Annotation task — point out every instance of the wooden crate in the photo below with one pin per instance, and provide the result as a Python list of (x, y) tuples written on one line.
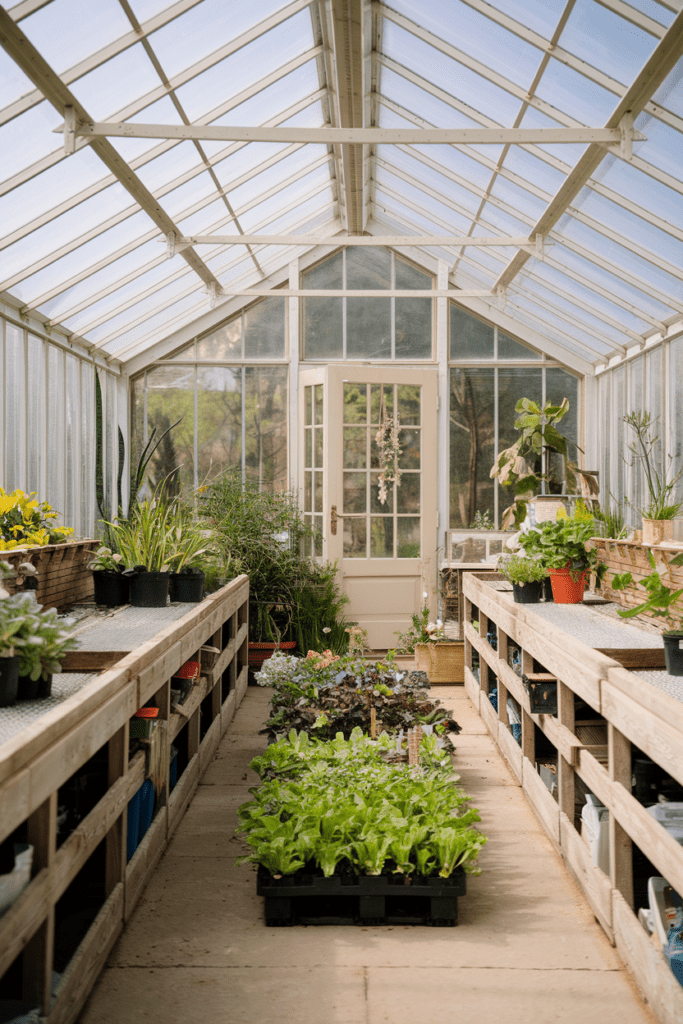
[(63, 574)]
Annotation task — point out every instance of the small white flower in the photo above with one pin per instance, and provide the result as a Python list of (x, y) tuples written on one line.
[(439, 624), (327, 629), (425, 594)]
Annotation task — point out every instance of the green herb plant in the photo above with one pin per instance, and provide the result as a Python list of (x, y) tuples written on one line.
[(562, 543), (662, 600), (521, 570), (336, 807), (39, 638)]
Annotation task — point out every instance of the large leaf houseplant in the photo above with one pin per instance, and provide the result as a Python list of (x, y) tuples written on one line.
[(564, 548)]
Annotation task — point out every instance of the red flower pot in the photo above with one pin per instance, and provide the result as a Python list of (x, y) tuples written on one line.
[(258, 652), (568, 585)]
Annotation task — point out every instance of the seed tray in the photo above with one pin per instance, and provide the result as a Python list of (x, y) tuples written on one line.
[(305, 899)]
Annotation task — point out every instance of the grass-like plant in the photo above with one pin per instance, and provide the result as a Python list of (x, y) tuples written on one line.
[(521, 570), (660, 491)]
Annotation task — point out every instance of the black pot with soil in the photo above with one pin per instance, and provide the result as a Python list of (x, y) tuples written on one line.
[(34, 689), (111, 588), (673, 653), (186, 587), (527, 593), (9, 681)]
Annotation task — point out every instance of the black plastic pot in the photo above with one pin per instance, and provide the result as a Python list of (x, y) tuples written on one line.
[(149, 589), (111, 588), (9, 681), (187, 588), (527, 593), (547, 590), (673, 654), (34, 689)]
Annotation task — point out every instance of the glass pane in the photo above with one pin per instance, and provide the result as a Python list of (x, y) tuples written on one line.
[(308, 449), (382, 537), (470, 338), (375, 401), (355, 403), (413, 318), (355, 541), (318, 399), (408, 537), (375, 504), (73, 423), (410, 449), (318, 448), (223, 343), (558, 385), (35, 412), (308, 492), (408, 276), (368, 268), (355, 444), (355, 496), (508, 348), (368, 327), (219, 420), (326, 275), (317, 492), (318, 542), (308, 402), (513, 384), (408, 494), (409, 404), (15, 389), (170, 396), (323, 328), (472, 444), (266, 425), (264, 330), (55, 429)]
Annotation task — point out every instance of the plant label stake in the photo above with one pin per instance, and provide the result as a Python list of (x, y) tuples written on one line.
[(373, 724)]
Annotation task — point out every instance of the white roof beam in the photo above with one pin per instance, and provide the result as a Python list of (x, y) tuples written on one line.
[(656, 68), (354, 240), (147, 27), (345, 36), (41, 74), (26, 7), (637, 18), (355, 136)]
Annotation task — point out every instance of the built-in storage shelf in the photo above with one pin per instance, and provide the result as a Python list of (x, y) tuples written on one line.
[(69, 770), (607, 717)]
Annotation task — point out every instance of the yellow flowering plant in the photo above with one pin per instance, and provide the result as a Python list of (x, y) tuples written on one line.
[(26, 522)]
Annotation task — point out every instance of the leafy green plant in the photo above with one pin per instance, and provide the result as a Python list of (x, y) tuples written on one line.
[(562, 542), (522, 570), (612, 519), (336, 807), (40, 638), (106, 560), (527, 462), (422, 631), (482, 521), (339, 697), (660, 491), (662, 600)]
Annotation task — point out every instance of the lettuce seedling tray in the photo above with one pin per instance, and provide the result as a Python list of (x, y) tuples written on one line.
[(306, 899)]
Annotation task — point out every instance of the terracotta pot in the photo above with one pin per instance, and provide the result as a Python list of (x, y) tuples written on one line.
[(443, 663), (656, 531), (568, 586), (258, 652)]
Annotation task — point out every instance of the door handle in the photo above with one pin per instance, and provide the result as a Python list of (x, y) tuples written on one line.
[(334, 516)]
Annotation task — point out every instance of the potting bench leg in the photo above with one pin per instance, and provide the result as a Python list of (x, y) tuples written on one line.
[(444, 908), (371, 907)]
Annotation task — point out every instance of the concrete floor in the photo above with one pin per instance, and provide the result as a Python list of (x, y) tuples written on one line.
[(527, 949)]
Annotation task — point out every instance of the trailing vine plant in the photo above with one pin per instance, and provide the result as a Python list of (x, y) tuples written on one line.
[(389, 450)]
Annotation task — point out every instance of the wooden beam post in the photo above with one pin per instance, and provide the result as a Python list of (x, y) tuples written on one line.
[(620, 846)]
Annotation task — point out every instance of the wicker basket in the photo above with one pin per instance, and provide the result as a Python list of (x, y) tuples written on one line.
[(443, 663)]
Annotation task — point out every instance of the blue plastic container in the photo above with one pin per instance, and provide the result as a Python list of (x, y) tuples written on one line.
[(146, 806), (133, 837)]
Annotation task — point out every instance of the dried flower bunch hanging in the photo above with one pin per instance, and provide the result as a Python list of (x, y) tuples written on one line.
[(389, 450)]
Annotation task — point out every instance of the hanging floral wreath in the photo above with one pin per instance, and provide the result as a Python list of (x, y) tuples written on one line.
[(389, 449)]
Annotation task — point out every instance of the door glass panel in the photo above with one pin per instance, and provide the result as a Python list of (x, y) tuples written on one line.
[(313, 463), (392, 527), (308, 450), (318, 447), (355, 544), (382, 537), (318, 492), (318, 404)]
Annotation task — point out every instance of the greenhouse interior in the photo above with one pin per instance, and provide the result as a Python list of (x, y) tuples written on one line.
[(341, 511)]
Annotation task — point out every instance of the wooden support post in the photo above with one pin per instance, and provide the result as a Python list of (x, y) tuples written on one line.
[(620, 846), (527, 663), (502, 702), (502, 645), (565, 772), (193, 734), (117, 750), (39, 952), (528, 738)]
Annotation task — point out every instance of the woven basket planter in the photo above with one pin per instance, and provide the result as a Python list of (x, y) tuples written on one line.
[(443, 663), (63, 574)]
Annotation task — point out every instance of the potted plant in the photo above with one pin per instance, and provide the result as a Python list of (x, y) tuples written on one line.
[(147, 549), (10, 624), (527, 576), (563, 548), (188, 545), (40, 640), (664, 602), (659, 510), (111, 586), (25, 522), (441, 657), (539, 455)]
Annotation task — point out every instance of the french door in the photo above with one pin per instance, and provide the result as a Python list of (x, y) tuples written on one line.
[(385, 549)]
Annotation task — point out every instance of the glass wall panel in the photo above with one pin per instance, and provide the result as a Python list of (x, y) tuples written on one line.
[(508, 348), (265, 423), (219, 420), (472, 443), (470, 338), (676, 405), (55, 427), (558, 385), (368, 325), (15, 446), (368, 267), (73, 424), (223, 343), (513, 383), (170, 397), (35, 413), (264, 330)]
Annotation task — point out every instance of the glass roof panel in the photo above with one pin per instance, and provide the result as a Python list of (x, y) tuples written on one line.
[(269, 210), (193, 191), (263, 181), (643, 234), (459, 162), (65, 31), (534, 170), (162, 296), (47, 190), (504, 223), (163, 111), (531, 288), (144, 9), (640, 188), (670, 92), (458, 223), (451, 76), (27, 138), (13, 82), (113, 304), (170, 166), (247, 158), (62, 230), (245, 67), (405, 161), (540, 15), (398, 89), (551, 327), (476, 35), (171, 318), (114, 85), (654, 10), (568, 153), (574, 94), (518, 198), (213, 215), (271, 101), (555, 319), (663, 147), (606, 41), (194, 35)]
